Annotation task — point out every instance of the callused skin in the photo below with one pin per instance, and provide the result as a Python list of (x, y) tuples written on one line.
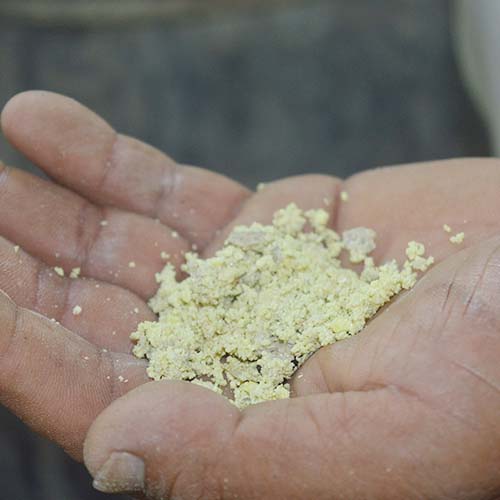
[(408, 409)]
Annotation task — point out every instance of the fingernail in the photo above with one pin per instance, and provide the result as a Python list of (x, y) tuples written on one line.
[(121, 473)]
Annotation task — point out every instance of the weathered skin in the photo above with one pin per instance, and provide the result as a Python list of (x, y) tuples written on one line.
[(407, 409)]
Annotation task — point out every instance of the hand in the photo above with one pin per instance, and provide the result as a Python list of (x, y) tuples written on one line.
[(408, 409)]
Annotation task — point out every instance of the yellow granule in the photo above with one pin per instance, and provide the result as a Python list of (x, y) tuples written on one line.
[(243, 321), (75, 272), (77, 310), (457, 238), (59, 271), (344, 196)]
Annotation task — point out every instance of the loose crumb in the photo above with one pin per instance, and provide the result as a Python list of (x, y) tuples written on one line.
[(104, 223), (75, 272), (344, 196), (174, 234), (120, 378), (261, 186), (165, 256), (131, 264), (16, 248), (59, 271), (77, 310), (136, 310), (457, 238), (446, 228), (245, 320)]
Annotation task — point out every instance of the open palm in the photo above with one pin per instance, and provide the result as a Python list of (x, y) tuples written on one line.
[(409, 408)]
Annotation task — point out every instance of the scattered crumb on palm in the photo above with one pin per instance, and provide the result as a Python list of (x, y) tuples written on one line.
[(457, 238), (77, 310), (75, 272), (59, 271), (344, 196), (447, 228), (131, 264)]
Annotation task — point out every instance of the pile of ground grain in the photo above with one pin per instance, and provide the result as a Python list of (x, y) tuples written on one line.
[(244, 320)]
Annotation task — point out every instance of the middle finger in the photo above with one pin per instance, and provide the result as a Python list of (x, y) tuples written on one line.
[(63, 229)]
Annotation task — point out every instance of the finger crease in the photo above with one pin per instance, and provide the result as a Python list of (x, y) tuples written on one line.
[(168, 185), (12, 332), (88, 233), (109, 161), (235, 213)]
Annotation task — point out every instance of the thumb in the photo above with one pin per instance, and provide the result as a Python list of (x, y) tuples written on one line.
[(158, 438), (176, 440)]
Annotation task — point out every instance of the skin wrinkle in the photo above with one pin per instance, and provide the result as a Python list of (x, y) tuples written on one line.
[(88, 233), (282, 440), (64, 308), (336, 205), (4, 173), (480, 279), (13, 331), (476, 374), (170, 181), (323, 371), (110, 162), (39, 271), (236, 211)]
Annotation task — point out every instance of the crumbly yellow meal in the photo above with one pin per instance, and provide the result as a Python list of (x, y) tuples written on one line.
[(77, 310), (59, 271), (75, 273), (243, 321), (457, 238), (344, 196)]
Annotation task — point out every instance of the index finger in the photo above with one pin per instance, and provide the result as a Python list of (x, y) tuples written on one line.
[(81, 151)]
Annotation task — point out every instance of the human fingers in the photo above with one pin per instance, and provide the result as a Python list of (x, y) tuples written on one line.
[(175, 440), (103, 314), (80, 150), (440, 342), (63, 229), (414, 202), (56, 381)]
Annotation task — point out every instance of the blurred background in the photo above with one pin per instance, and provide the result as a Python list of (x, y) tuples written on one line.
[(254, 89)]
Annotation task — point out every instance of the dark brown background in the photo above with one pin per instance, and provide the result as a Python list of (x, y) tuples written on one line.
[(255, 92)]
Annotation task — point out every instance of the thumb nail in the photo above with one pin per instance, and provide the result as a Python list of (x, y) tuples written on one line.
[(121, 473)]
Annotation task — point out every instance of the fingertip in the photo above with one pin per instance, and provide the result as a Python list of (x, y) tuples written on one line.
[(159, 422), (21, 103)]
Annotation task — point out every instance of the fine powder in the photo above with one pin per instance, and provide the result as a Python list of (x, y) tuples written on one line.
[(243, 321)]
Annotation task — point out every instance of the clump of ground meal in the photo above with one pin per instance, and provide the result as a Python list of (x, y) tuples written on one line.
[(243, 321)]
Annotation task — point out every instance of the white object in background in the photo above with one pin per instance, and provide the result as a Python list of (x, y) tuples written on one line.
[(477, 30)]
